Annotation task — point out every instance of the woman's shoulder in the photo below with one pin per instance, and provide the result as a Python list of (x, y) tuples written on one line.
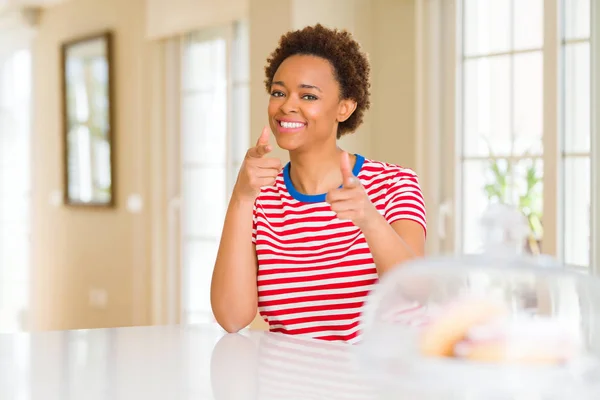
[(382, 168)]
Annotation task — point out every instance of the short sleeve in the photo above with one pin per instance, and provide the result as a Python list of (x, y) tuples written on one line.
[(404, 199)]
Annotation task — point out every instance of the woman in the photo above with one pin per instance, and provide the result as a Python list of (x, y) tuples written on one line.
[(305, 243)]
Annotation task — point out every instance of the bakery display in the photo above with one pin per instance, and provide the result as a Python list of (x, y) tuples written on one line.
[(500, 322)]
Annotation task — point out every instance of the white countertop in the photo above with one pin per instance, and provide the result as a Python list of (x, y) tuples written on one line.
[(174, 362), (197, 362)]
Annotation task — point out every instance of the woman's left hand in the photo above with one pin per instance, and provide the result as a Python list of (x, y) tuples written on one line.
[(350, 202)]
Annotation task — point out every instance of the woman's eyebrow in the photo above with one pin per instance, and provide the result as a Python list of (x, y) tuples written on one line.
[(306, 86), (302, 85)]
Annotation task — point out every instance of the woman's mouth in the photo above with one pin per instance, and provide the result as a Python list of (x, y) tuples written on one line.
[(290, 126)]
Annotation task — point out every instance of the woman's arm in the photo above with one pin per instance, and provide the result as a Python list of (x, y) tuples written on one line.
[(233, 293), (394, 237), (399, 234), (393, 244)]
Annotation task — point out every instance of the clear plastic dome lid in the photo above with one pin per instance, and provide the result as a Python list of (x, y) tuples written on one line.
[(497, 323)]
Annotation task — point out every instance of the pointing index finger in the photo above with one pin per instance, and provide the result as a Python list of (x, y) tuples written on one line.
[(264, 137), (347, 175), (262, 145)]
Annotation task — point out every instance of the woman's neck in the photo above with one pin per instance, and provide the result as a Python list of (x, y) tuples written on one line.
[(317, 172)]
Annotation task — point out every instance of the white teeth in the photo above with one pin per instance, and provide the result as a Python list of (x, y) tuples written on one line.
[(291, 125)]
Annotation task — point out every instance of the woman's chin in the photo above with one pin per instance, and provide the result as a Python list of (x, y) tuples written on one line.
[(285, 143)]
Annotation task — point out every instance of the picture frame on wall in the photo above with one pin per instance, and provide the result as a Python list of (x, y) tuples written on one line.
[(88, 121)]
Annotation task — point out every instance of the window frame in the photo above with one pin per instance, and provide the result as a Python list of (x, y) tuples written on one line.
[(439, 107), (174, 290), (564, 154), (217, 32), (595, 137)]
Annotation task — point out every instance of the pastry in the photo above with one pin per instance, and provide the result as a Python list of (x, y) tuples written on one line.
[(523, 341), (451, 326)]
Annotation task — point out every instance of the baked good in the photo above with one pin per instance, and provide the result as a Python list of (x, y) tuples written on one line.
[(519, 340), (451, 326)]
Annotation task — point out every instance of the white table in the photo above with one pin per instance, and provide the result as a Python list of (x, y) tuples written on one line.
[(198, 362), (174, 362)]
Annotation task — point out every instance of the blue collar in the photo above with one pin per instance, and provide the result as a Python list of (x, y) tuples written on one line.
[(314, 198)]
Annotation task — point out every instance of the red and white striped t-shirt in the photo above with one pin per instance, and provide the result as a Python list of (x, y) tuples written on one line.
[(314, 270)]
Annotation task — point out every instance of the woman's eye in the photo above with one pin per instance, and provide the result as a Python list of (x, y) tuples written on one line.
[(276, 94), (309, 97)]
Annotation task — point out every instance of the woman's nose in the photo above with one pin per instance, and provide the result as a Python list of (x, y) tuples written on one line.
[(290, 105)]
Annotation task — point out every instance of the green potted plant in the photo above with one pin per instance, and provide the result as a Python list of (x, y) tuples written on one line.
[(521, 188)]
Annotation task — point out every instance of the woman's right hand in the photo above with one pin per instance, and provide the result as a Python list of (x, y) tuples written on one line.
[(257, 170)]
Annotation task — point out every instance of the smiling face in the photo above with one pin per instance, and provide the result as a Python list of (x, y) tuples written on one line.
[(305, 105)]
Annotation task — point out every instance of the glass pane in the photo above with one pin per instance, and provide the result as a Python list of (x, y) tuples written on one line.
[(528, 24), (240, 129), (487, 106), (528, 195), (204, 64), (199, 259), (577, 16), (497, 181), (14, 205), (487, 26), (479, 190), (234, 170), (241, 53), (528, 92), (204, 130), (204, 200), (577, 214), (577, 89)]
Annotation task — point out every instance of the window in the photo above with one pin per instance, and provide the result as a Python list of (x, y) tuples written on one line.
[(15, 81), (214, 138), (576, 131), (524, 121), (502, 113)]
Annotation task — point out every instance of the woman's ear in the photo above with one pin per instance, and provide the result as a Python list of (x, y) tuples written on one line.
[(345, 110)]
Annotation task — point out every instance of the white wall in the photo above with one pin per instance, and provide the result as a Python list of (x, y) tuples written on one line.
[(171, 17)]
